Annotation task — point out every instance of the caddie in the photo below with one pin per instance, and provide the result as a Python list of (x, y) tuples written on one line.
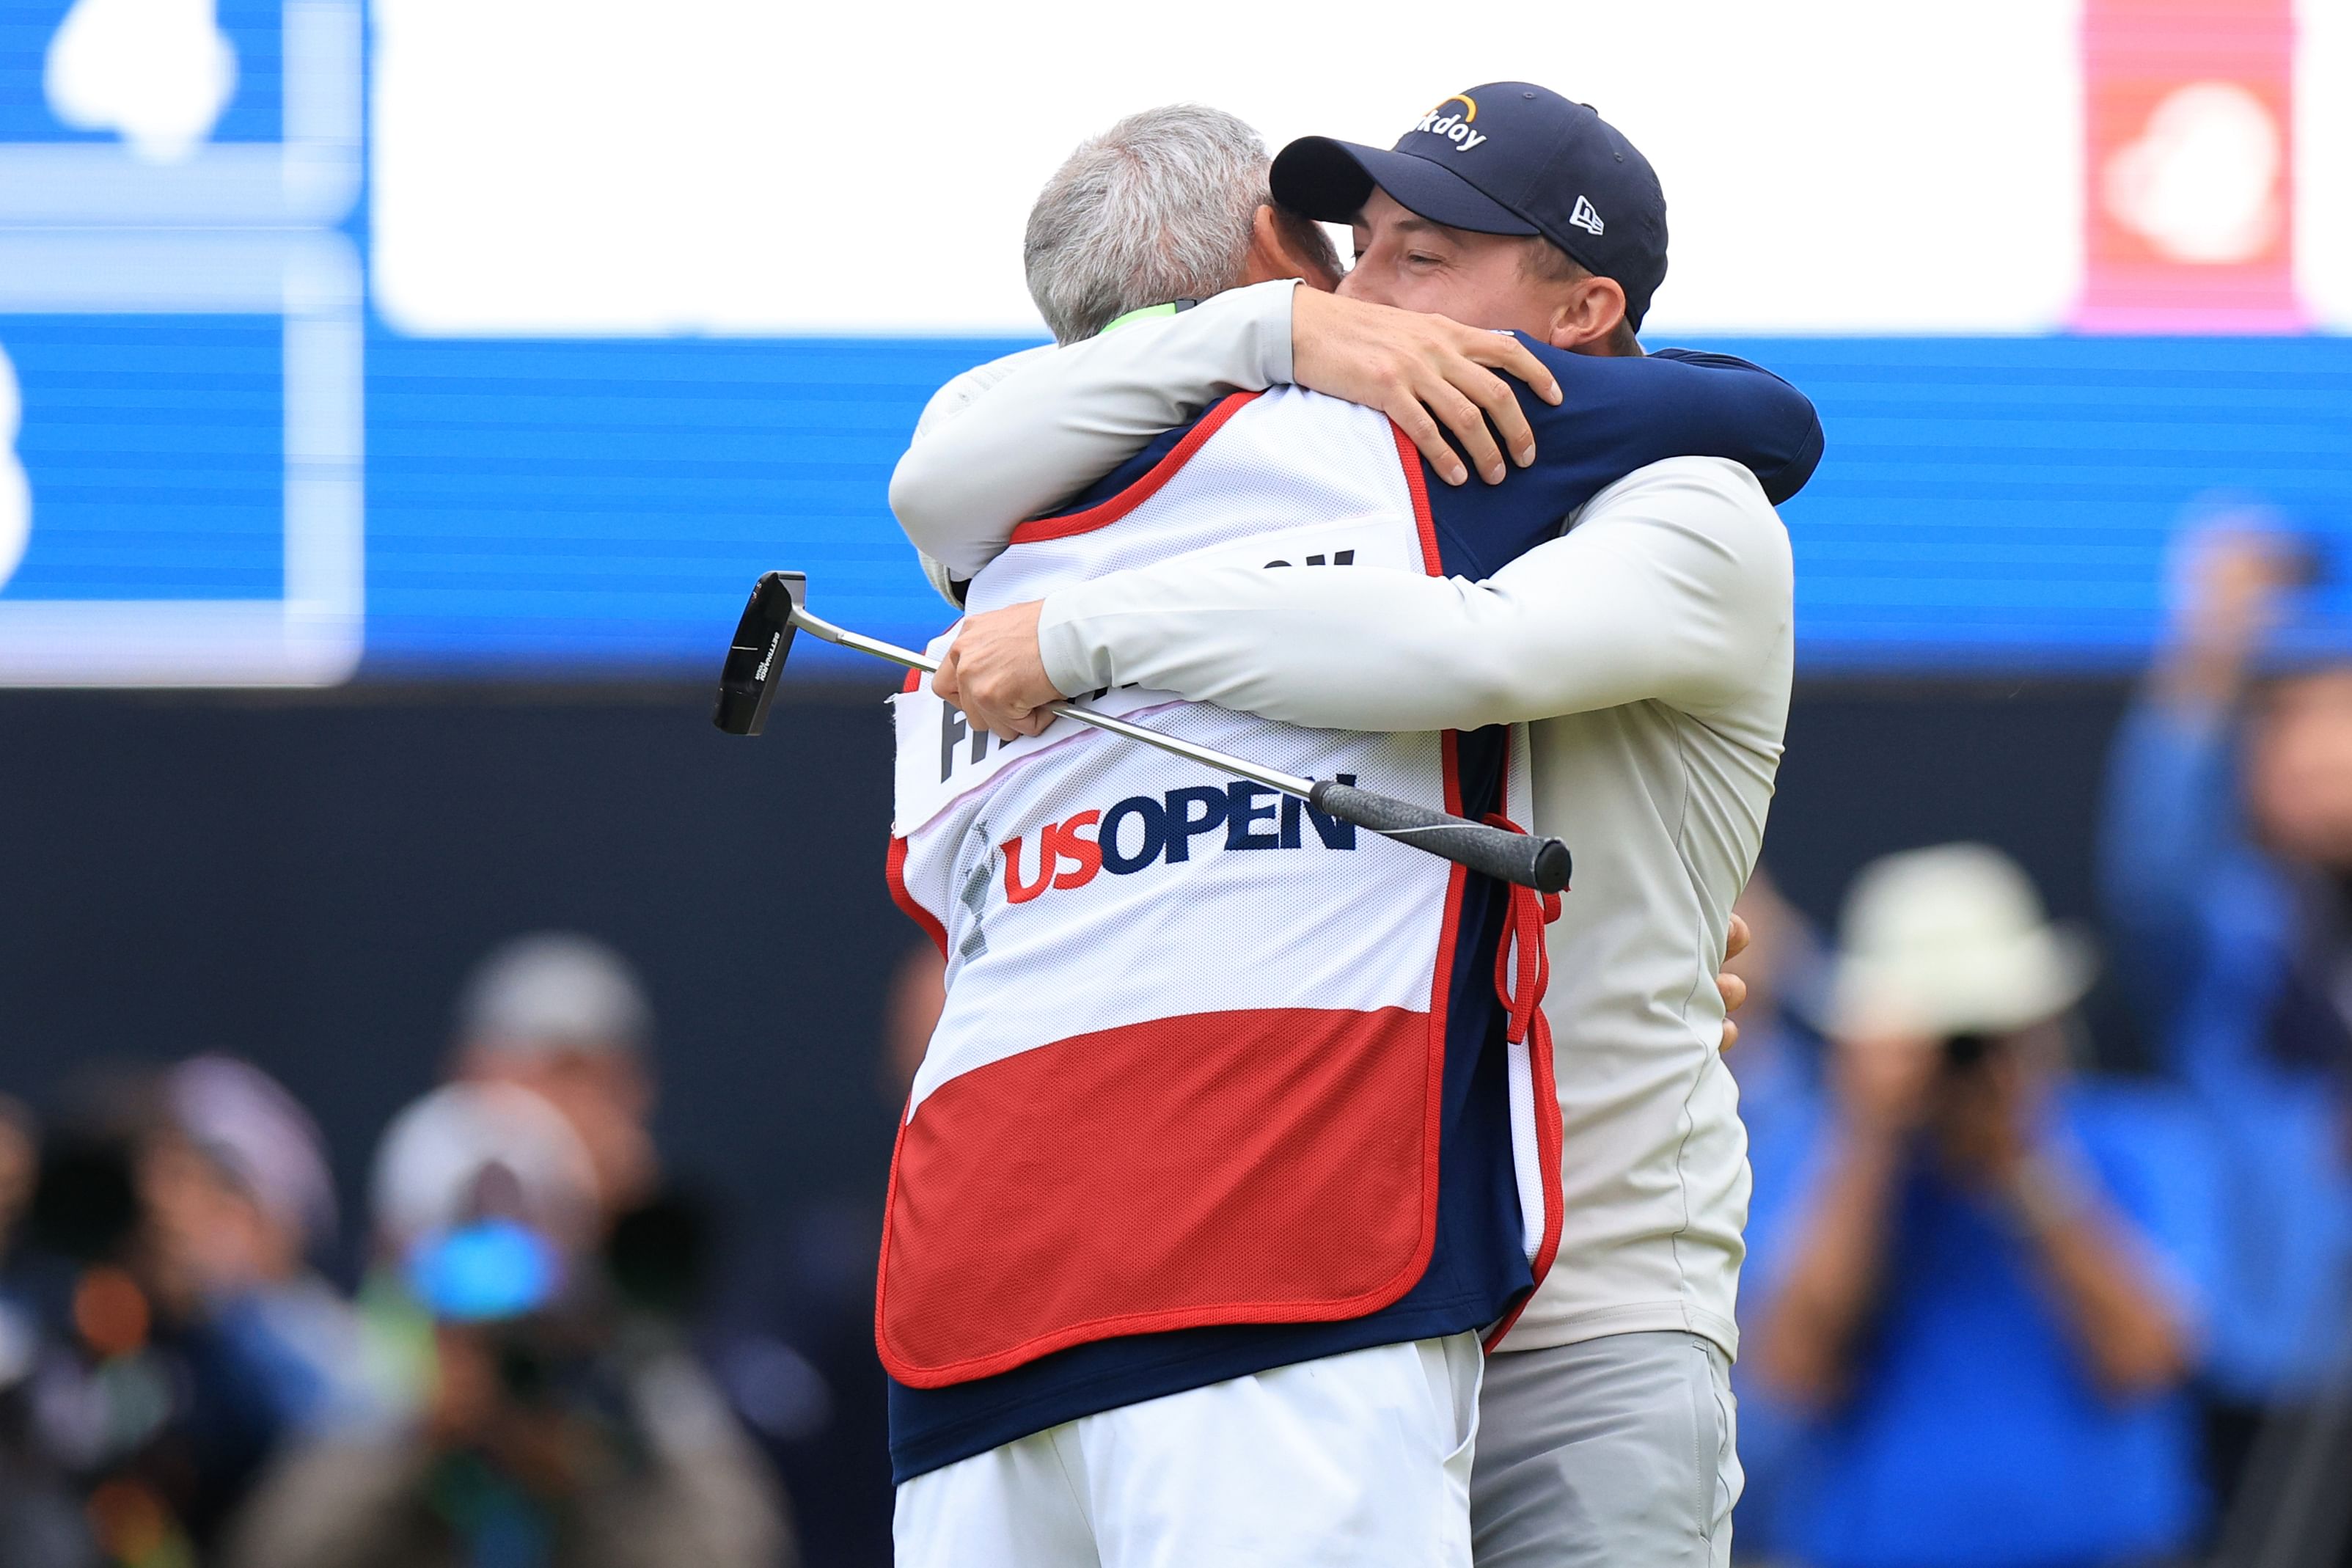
[(1237, 1132)]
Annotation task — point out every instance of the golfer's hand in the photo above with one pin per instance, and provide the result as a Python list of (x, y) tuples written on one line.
[(995, 674), (1733, 989), (1428, 373)]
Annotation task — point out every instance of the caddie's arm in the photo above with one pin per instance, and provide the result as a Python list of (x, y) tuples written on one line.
[(1675, 585), (988, 456)]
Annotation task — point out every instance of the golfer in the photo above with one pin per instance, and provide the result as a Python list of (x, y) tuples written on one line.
[(1651, 646)]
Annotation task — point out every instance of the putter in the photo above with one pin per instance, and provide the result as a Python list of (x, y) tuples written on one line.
[(779, 607)]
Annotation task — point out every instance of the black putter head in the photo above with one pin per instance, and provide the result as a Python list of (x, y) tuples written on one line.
[(747, 685)]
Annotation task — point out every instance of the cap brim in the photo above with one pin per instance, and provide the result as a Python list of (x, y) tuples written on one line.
[(1330, 181)]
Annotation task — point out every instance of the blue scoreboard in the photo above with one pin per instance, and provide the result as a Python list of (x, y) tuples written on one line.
[(222, 461)]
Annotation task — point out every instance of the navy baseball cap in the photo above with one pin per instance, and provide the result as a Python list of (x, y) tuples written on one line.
[(1509, 157)]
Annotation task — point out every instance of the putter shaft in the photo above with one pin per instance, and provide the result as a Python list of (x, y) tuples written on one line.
[(747, 685), (1290, 784)]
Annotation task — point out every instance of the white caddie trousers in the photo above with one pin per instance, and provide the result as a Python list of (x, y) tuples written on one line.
[(1359, 1460)]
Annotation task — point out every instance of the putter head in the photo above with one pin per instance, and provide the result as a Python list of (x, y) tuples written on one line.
[(747, 684)]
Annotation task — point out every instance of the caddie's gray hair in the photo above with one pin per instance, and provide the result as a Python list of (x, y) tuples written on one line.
[(1157, 207)]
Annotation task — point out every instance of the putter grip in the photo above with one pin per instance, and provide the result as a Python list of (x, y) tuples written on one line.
[(1521, 857)]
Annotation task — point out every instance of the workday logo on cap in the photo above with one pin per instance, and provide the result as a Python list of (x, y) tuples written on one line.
[(1454, 127), (1546, 165)]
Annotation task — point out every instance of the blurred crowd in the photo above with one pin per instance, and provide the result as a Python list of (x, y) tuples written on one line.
[(2004, 1305), (524, 1354)]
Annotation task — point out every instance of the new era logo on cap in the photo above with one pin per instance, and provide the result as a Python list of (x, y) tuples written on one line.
[(1585, 217)]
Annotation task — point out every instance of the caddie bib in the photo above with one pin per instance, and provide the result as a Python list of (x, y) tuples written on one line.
[(1190, 1067)]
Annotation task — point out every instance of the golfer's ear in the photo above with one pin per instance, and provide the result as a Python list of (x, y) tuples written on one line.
[(1590, 314)]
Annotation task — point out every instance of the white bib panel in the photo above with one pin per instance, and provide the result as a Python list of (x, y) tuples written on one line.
[(1190, 1067)]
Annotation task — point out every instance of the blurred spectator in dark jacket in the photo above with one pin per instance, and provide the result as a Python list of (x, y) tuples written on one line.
[(20, 1155), (238, 1187), (557, 1424), (2228, 871), (565, 1016), (795, 1345), (1985, 1282), (40, 1516), (179, 1333)]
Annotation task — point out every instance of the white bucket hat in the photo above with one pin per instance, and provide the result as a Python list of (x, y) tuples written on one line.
[(1951, 940)]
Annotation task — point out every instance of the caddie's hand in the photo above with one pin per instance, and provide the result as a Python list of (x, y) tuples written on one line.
[(1428, 373), (995, 672), (1733, 989)]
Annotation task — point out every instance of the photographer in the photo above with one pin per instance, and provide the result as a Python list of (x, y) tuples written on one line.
[(1983, 1287), (559, 1424), (162, 1333), (566, 1017)]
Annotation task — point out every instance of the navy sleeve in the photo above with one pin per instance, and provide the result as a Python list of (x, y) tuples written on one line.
[(1617, 415), (1773, 422)]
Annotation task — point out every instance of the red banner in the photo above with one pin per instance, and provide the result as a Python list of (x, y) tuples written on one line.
[(2189, 214)]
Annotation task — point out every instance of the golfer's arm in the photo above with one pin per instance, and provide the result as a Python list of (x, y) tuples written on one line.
[(948, 402), (1676, 588), (1060, 423)]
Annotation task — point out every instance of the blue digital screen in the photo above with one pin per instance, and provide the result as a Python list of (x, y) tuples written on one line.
[(603, 508), (609, 505), (210, 438), (1984, 502), (154, 448), (2010, 502)]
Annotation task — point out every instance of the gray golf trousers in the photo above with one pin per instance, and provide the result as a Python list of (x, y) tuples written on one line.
[(1619, 1451)]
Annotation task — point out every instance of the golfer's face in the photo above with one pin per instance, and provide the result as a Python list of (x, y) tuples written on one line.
[(1479, 279)]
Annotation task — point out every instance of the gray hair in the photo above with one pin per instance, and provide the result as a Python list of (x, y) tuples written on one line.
[(553, 992), (1158, 207)]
